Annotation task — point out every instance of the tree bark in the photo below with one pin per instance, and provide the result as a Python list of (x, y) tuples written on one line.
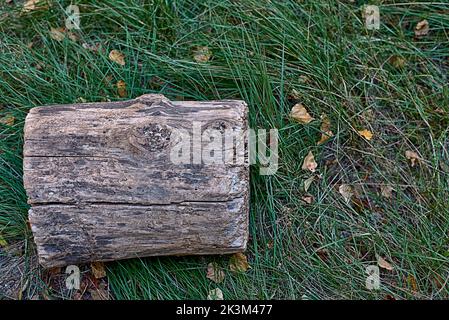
[(102, 186)]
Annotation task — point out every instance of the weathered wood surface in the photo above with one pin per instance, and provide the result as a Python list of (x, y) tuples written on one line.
[(102, 187)]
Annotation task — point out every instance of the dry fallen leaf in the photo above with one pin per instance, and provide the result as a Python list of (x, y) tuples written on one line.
[(398, 62), (300, 114), (215, 294), (8, 120), (413, 157), (121, 88), (54, 271), (308, 183), (214, 273), (98, 270), (422, 28), (438, 281), (100, 293), (366, 134), (117, 57), (386, 191), (91, 46), (202, 54), (326, 131), (32, 5), (309, 162), (238, 262), (346, 191), (384, 264), (308, 199), (57, 34), (72, 36), (411, 280)]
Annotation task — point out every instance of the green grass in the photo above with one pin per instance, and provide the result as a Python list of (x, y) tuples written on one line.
[(261, 51)]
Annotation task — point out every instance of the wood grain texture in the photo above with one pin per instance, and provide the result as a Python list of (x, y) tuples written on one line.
[(102, 187)]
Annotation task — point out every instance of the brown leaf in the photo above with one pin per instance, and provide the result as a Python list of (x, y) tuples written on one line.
[(32, 5), (439, 281), (98, 270), (413, 157), (308, 182), (57, 34), (300, 114), (121, 88), (215, 273), (323, 254), (72, 36), (100, 293), (202, 54), (411, 280), (215, 294), (238, 262), (366, 134), (346, 191), (54, 271), (398, 62), (386, 191), (309, 162), (117, 57), (91, 46), (8, 120), (325, 129), (422, 28), (384, 264), (307, 199)]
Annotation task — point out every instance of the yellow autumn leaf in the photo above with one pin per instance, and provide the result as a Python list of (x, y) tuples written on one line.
[(422, 28), (366, 134), (98, 270), (238, 262), (117, 57), (309, 162), (202, 54), (413, 157), (384, 264), (121, 88), (214, 273), (215, 294), (325, 129), (300, 114)]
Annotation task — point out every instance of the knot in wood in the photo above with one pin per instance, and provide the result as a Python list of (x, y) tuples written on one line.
[(150, 137), (219, 125)]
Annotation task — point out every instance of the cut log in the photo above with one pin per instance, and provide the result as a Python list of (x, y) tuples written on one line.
[(102, 183)]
